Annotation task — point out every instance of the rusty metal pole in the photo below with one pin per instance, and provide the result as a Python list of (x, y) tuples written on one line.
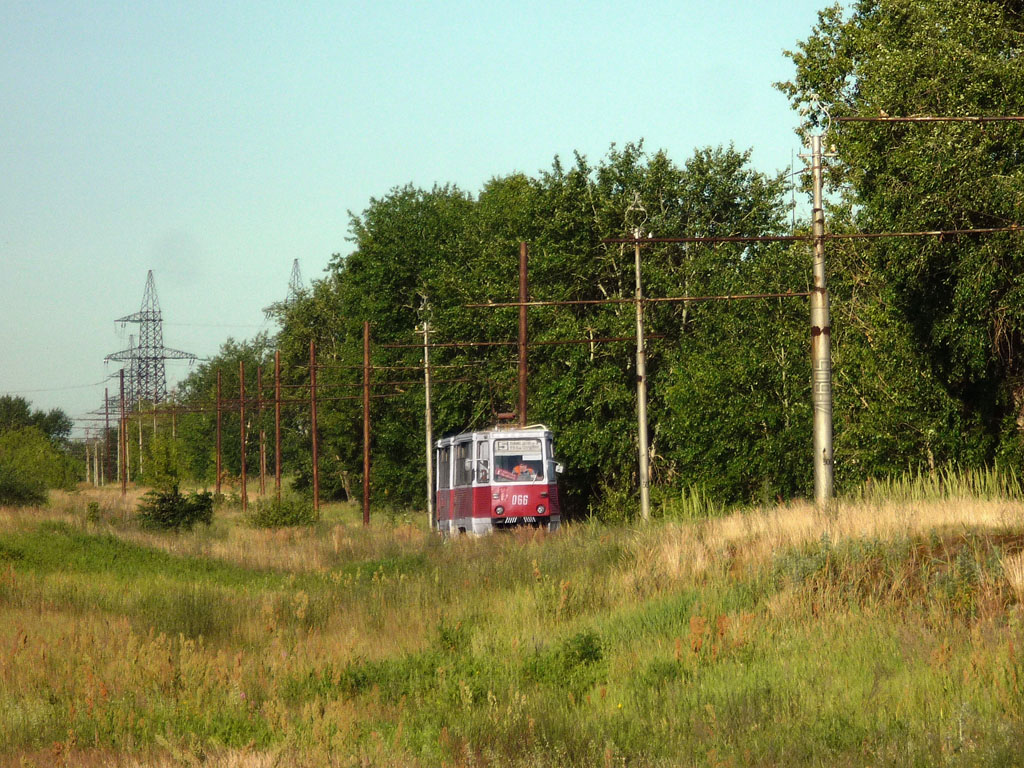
[(217, 440), (366, 423), (241, 430), (263, 432), (524, 294), (821, 346), (312, 418), (122, 444), (641, 390), (106, 434), (429, 424), (277, 424)]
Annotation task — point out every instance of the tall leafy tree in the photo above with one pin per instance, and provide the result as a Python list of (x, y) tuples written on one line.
[(423, 254), (17, 413), (928, 350)]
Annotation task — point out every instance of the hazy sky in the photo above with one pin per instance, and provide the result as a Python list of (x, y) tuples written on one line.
[(216, 142)]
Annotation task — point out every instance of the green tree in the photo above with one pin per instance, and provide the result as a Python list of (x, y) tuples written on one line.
[(445, 246), (929, 331), (17, 413), (30, 464)]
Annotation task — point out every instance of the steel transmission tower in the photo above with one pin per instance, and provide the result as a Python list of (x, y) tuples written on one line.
[(296, 290), (295, 287), (147, 378)]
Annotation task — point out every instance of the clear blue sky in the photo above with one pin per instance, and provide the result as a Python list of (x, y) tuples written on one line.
[(216, 142)]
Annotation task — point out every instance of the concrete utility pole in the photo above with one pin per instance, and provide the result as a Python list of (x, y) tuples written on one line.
[(429, 421), (313, 426), (366, 422), (821, 345), (641, 388)]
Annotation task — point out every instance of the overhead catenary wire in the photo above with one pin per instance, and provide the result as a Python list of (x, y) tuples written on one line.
[(655, 300), (931, 119), (1012, 228)]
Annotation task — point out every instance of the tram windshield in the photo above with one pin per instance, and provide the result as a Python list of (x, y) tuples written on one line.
[(518, 460)]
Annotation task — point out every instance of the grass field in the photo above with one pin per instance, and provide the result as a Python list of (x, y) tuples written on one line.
[(883, 632)]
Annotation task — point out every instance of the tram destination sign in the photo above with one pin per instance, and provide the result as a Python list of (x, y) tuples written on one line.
[(528, 449)]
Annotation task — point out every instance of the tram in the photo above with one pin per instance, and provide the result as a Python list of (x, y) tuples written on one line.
[(497, 478)]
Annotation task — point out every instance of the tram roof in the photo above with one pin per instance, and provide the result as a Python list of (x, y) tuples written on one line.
[(531, 430)]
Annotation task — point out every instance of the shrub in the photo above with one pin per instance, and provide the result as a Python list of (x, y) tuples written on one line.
[(271, 513), (17, 490), (172, 510), (92, 512)]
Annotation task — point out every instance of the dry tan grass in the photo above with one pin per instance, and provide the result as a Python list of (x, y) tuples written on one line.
[(688, 549), (1013, 568)]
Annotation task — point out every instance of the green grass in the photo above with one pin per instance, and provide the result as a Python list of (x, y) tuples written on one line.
[(522, 649)]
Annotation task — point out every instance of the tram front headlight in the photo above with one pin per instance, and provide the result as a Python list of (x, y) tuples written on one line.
[(499, 510), (540, 509)]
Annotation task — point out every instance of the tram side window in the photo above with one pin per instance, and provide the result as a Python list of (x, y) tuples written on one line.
[(483, 464), (463, 464), (444, 475)]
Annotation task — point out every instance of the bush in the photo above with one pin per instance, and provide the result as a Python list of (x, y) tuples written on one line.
[(271, 513), (171, 510), (16, 490), (92, 512)]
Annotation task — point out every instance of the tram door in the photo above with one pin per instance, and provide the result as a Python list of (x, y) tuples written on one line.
[(444, 484)]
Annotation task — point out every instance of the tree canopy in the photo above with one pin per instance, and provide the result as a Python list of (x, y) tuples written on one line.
[(927, 332), (929, 348)]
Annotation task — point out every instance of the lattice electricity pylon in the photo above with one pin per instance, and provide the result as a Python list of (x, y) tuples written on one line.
[(147, 377), (295, 287), (296, 290)]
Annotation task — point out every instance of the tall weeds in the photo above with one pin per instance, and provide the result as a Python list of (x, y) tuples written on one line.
[(879, 632)]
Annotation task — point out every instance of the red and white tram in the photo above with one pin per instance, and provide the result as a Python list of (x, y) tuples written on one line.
[(497, 478)]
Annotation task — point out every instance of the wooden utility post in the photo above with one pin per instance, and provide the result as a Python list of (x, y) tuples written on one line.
[(524, 293), (821, 352), (312, 419), (366, 423)]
